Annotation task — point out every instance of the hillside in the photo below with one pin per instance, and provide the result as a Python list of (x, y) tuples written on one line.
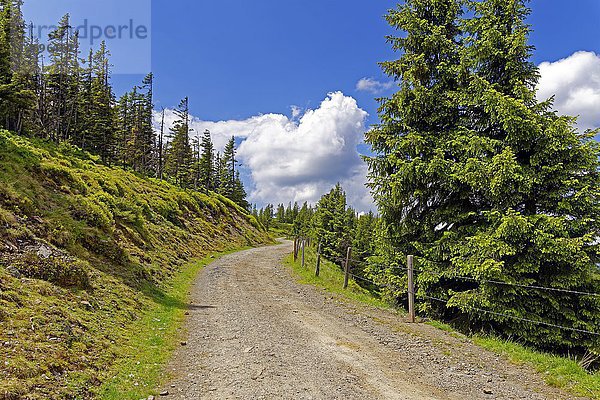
[(85, 250)]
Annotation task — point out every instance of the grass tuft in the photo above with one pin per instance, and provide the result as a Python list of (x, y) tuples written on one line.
[(560, 372)]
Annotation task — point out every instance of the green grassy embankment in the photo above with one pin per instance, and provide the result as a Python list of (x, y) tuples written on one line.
[(87, 254), (280, 230)]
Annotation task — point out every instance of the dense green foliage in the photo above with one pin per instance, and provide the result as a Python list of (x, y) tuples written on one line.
[(333, 223), (85, 251), (481, 182), (70, 99)]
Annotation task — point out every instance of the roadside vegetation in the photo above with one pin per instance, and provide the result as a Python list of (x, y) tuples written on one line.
[(331, 278), (86, 251), (568, 373)]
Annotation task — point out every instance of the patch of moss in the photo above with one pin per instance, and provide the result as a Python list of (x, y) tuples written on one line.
[(58, 270)]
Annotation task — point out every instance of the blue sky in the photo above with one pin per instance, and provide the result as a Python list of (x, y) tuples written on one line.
[(249, 57), (238, 58), (244, 64)]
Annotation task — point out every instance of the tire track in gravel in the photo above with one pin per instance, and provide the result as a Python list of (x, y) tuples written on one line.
[(254, 333)]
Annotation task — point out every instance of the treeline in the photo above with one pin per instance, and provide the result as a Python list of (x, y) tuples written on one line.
[(332, 223), (69, 98)]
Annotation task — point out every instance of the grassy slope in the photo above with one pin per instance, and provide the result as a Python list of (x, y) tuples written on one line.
[(557, 371), (97, 249)]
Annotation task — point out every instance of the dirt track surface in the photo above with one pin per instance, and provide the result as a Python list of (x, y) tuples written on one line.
[(254, 333)]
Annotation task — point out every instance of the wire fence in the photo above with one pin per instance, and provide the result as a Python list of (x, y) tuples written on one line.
[(514, 284), (343, 261), (513, 316)]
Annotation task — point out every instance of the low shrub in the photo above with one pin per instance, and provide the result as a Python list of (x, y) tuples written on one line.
[(63, 176), (91, 210), (61, 271)]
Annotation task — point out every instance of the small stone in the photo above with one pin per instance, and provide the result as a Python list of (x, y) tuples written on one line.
[(44, 252), (150, 397), (164, 393), (13, 272), (487, 391), (184, 343)]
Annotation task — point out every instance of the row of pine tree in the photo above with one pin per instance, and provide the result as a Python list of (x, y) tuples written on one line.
[(69, 98)]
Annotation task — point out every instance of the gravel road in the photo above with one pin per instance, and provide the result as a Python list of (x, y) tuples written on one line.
[(254, 333)]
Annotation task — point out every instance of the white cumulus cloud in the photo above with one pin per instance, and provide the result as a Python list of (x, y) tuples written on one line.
[(298, 158), (575, 81), (296, 112), (372, 85)]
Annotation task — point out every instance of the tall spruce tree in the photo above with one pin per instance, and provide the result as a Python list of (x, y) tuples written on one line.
[(146, 140), (62, 82), (206, 162), (280, 214), (481, 181), (229, 171), (239, 192), (160, 149), (18, 69), (331, 223), (101, 140), (179, 155), (85, 102)]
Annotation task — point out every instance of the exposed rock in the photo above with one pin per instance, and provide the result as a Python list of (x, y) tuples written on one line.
[(14, 272), (44, 251)]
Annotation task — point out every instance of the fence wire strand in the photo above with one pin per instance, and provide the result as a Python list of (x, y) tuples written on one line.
[(512, 316), (520, 285)]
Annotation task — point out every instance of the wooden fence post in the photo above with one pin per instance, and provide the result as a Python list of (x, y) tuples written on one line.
[(295, 249), (318, 270), (347, 268), (303, 246), (411, 289)]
